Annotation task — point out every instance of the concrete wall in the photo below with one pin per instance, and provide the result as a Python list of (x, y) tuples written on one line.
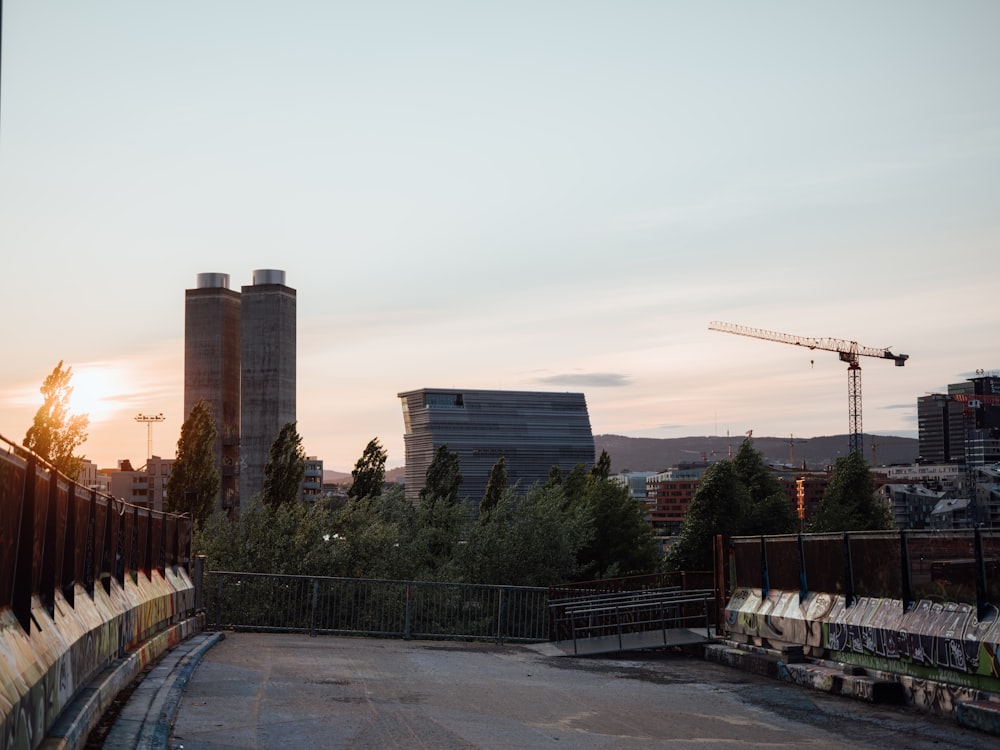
[(42, 672), (939, 651)]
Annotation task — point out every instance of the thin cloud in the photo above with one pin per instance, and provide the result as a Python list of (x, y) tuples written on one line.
[(593, 379)]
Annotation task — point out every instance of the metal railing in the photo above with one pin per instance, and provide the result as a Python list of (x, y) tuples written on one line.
[(56, 534), (618, 615), (372, 607), (960, 566)]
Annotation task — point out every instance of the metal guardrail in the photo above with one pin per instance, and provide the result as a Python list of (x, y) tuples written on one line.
[(373, 607), (56, 534), (956, 566), (618, 615)]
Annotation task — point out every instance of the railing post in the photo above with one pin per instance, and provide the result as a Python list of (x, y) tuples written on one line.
[(47, 582), (765, 579), (906, 580), (500, 622), (618, 620), (663, 623), (982, 591), (90, 550), (848, 573), (21, 595), (406, 626), (218, 601), (69, 580), (315, 606), (199, 582), (803, 582)]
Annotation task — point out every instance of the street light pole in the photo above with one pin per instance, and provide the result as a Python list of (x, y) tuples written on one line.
[(149, 419)]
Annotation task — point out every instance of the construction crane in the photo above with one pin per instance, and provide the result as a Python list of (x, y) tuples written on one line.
[(849, 352), (791, 449)]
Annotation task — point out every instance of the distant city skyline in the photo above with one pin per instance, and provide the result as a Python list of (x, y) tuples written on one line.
[(524, 196)]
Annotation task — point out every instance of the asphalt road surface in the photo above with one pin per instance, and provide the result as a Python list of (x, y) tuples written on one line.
[(293, 692)]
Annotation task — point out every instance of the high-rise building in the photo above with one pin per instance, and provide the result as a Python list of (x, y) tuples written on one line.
[(267, 364), (532, 431), (964, 429), (941, 433), (212, 370)]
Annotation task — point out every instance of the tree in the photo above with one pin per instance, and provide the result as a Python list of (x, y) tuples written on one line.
[(369, 472), (55, 434), (437, 531), (850, 502), (443, 479), (285, 467), (574, 485), (768, 510), (602, 469), (528, 541), (620, 541), (495, 487), (194, 479), (718, 507)]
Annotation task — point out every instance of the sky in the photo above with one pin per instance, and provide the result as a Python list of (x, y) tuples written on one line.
[(547, 195)]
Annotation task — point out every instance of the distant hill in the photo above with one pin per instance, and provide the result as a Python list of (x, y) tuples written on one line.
[(657, 454), (341, 477)]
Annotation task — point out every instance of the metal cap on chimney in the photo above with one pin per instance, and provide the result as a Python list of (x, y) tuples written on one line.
[(268, 276), (213, 280)]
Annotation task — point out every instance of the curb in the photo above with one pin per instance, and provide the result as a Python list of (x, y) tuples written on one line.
[(981, 713), (145, 721), (81, 716)]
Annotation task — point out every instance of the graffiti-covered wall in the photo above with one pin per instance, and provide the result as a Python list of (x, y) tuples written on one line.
[(84, 580), (918, 605)]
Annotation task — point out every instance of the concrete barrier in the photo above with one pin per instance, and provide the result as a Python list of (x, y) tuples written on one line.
[(939, 653), (43, 672)]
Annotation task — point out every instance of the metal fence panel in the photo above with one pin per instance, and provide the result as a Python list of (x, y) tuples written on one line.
[(942, 565), (352, 606)]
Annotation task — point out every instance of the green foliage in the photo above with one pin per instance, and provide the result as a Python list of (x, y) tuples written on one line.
[(735, 497), (850, 502), (443, 479), (574, 485), (285, 468), (194, 479), (718, 507), (369, 472), (768, 510), (525, 541), (495, 487), (602, 469), (439, 527), (537, 539), (55, 434), (363, 539), (619, 540)]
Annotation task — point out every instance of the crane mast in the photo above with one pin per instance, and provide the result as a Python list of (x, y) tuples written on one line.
[(848, 351)]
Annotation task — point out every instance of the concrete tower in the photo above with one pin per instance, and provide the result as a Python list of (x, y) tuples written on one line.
[(267, 349), (212, 370)]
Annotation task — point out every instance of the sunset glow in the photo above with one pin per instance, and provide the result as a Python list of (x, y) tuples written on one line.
[(521, 196), (100, 390)]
